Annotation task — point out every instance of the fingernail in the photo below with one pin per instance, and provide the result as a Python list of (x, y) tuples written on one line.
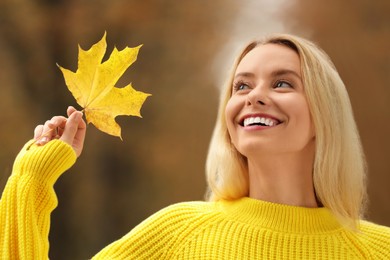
[(44, 140)]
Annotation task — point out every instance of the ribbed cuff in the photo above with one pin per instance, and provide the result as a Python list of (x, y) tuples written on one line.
[(45, 163)]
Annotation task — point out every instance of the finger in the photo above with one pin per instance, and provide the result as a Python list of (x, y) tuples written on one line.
[(80, 134), (60, 131), (71, 127), (46, 133), (70, 110), (78, 142), (49, 129), (38, 131)]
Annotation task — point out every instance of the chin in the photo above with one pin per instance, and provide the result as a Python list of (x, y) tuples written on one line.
[(255, 148)]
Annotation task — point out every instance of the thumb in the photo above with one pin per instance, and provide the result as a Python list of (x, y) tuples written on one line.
[(71, 127)]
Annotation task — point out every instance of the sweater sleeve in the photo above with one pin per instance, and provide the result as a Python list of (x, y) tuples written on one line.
[(29, 198)]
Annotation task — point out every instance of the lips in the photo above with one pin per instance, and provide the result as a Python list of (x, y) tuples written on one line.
[(259, 120)]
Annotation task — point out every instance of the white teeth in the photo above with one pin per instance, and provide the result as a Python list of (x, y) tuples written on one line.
[(257, 120)]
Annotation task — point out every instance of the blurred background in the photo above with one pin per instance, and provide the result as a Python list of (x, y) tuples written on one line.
[(188, 47)]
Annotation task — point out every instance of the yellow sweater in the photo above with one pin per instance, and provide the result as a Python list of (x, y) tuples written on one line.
[(240, 229)]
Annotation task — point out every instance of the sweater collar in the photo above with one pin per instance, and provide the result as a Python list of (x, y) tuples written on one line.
[(279, 217)]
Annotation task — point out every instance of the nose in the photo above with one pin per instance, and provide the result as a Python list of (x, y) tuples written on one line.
[(258, 96)]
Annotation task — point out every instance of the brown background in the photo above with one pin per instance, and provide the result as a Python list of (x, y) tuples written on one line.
[(188, 47)]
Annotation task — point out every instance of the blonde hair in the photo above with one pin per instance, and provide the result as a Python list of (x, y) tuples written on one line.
[(339, 169)]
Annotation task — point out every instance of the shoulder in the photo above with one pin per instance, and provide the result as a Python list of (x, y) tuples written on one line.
[(377, 237), (375, 231), (181, 220), (185, 211), (178, 218), (158, 236)]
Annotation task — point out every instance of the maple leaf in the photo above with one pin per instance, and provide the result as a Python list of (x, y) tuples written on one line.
[(92, 85)]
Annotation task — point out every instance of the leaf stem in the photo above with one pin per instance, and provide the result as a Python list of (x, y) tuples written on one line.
[(45, 134)]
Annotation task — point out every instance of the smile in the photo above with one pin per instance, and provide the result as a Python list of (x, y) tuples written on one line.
[(260, 121)]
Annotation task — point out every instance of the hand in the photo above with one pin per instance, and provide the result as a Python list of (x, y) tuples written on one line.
[(70, 130)]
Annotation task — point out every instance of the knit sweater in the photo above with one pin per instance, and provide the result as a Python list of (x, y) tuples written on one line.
[(240, 229)]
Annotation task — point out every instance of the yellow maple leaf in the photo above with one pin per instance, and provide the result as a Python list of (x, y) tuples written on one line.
[(93, 86)]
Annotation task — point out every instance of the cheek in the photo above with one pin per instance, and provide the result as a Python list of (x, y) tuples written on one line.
[(304, 121), (231, 112), (306, 118), (228, 111)]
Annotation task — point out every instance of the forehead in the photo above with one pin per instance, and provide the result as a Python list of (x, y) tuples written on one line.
[(268, 58)]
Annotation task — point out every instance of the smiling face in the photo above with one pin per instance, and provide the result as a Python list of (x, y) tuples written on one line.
[(268, 112)]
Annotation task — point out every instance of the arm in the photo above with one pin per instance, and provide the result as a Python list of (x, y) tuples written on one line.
[(28, 198)]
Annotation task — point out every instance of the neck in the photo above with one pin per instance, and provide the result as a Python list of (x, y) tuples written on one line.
[(284, 179)]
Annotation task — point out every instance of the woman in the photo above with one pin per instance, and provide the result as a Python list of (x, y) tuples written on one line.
[(286, 173)]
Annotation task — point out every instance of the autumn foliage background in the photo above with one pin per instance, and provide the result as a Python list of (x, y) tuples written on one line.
[(188, 48)]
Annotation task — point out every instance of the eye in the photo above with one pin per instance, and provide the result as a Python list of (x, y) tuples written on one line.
[(240, 86), (282, 84)]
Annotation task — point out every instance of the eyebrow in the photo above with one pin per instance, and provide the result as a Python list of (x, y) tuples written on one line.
[(284, 72), (275, 73), (245, 74)]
